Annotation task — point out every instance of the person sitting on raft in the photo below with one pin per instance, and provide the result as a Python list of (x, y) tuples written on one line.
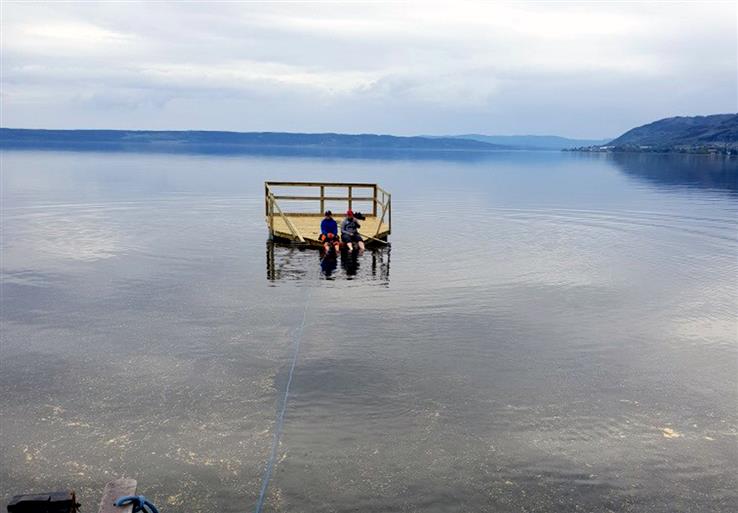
[(350, 232), (329, 232)]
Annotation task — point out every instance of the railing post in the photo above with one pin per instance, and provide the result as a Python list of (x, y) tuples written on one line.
[(374, 203), (266, 199), (271, 217), (389, 206), (350, 194), (322, 199)]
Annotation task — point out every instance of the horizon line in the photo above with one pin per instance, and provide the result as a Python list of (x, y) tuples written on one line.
[(425, 136)]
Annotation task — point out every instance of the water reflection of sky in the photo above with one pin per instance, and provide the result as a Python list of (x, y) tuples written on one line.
[(548, 320)]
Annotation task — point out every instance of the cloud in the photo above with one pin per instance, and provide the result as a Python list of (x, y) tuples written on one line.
[(409, 67), (61, 38)]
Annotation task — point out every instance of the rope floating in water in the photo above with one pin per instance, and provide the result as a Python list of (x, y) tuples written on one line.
[(280, 417)]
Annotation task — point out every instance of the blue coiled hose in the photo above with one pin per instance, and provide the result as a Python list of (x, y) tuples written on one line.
[(139, 503)]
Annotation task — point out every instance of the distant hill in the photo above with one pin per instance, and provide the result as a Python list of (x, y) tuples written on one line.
[(533, 142), (683, 131), (716, 134), (224, 141)]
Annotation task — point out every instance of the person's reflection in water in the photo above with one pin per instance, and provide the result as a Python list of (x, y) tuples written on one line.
[(287, 262), (350, 261), (328, 263)]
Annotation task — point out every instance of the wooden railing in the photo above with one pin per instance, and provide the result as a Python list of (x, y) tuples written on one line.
[(381, 201), (272, 205), (386, 203)]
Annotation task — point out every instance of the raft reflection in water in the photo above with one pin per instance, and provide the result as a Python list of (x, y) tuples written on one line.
[(291, 262)]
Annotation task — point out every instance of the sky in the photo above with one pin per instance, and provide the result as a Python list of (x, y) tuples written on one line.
[(589, 70)]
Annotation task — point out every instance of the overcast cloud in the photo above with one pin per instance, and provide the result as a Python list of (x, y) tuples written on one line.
[(572, 69)]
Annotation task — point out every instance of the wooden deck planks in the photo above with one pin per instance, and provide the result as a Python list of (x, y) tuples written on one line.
[(309, 227)]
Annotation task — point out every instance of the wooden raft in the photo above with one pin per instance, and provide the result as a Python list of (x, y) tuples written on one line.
[(301, 224)]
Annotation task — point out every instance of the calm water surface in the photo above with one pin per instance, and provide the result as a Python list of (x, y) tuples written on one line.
[(549, 332)]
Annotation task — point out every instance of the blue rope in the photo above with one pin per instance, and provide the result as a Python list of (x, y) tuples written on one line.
[(139, 503), (280, 417)]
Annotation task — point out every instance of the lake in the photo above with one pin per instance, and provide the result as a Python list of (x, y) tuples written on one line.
[(549, 331)]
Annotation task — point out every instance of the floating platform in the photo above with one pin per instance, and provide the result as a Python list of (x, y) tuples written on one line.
[(294, 210)]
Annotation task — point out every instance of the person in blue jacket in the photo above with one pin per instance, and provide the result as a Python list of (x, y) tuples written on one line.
[(329, 232)]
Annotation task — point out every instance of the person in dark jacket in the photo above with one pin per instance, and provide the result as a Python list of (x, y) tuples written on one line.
[(350, 232), (329, 232)]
